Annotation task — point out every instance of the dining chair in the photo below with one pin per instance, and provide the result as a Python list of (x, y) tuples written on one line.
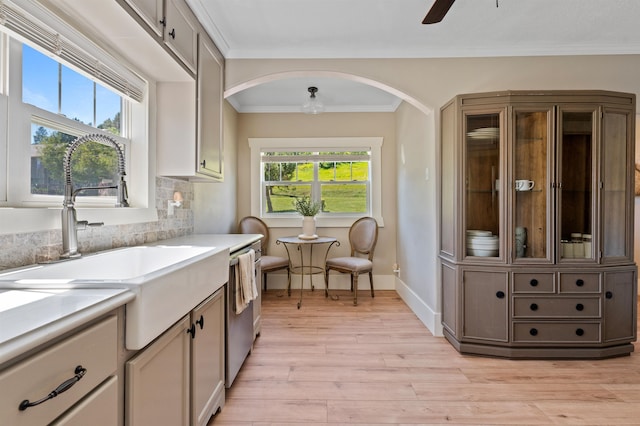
[(254, 225), (363, 236)]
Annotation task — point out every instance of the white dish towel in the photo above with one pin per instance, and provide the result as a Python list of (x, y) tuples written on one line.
[(246, 289)]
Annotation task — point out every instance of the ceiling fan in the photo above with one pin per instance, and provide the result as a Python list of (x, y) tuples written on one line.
[(437, 11)]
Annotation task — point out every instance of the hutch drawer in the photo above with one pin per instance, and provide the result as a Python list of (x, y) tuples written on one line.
[(557, 307), (534, 282), (580, 282), (556, 332)]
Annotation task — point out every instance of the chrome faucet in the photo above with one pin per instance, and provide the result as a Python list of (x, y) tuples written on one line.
[(70, 224)]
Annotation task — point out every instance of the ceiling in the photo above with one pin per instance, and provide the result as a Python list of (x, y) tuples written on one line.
[(393, 29)]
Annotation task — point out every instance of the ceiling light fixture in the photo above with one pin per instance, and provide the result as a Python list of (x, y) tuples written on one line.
[(313, 105)]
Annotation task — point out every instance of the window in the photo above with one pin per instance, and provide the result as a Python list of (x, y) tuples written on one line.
[(338, 180), (342, 174)]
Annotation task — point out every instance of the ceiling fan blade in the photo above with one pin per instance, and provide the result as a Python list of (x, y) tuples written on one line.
[(437, 11)]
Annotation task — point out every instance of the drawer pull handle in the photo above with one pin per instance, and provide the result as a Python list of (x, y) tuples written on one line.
[(608, 295), (500, 295), (534, 306), (580, 282), (200, 322), (64, 386), (533, 332), (579, 332), (533, 282), (579, 307)]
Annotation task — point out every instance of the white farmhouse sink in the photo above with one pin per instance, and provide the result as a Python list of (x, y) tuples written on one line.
[(168, 282)]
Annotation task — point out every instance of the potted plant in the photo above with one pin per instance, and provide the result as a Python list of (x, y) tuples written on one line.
[(308, 209)]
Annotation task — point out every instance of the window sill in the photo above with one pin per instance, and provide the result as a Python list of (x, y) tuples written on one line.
[(321, 222), (20, 220)]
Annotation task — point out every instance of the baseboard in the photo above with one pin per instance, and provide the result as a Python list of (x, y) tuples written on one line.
[(432, 320)]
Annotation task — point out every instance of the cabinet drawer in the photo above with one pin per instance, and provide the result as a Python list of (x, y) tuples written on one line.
[(557, 307), (572, 282), (99, 408), (533, 282), (95, 349), (556, 332)]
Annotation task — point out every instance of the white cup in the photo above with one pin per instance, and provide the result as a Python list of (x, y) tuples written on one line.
[(524, 185)]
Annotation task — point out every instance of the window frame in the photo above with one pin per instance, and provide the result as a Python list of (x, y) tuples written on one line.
[(373, 144)]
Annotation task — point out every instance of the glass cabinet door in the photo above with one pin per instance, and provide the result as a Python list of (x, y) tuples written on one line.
[(482, 184), (575, 184), (616, 226), (532, 155)]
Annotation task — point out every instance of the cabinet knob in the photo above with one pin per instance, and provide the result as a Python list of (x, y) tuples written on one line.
[(579, 282), (203, 163), (173, 33), (533, 282), (533, 332), (200, 322), (192, 331), (500, 294), (579, 307), (579, 332), (163, 21), (608, 295), (534, 306)]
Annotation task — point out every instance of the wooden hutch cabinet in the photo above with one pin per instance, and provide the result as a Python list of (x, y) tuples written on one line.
[(536, 224)]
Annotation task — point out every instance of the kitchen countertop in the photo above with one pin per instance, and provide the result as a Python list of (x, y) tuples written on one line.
[(31, 317)]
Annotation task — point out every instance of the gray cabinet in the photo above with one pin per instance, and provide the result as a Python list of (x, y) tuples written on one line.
[(179, 378), (537, 204), (173, 23)]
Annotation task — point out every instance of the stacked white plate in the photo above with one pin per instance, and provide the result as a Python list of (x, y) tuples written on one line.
[(482, 243), (484, 133)]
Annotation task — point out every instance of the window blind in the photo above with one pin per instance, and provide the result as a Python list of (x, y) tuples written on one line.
[(327, 157), (26, 20)]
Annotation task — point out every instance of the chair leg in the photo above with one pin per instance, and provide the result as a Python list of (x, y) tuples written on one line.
[(288, 282), (351, 282), (326, 283), (264, 281), (371, 281), (355, 289)]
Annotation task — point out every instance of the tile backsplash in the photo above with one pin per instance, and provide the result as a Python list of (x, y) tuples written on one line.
[(33, 247)]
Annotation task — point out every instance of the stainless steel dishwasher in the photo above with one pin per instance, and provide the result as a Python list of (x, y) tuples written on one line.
[(239, 332)]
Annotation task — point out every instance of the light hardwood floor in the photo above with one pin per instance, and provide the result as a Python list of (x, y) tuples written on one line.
[(376, 364)]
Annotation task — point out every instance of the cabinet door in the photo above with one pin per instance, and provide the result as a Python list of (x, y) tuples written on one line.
[(180, 32), (151, 12), (617, 225), (576, 182), (620, 301), (482, 179), (157, 384), (485, 301), (532, 159), (210, 83), (207, 358)]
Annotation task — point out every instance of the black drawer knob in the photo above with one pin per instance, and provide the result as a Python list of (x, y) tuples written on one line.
[(533, 306), (533, 332), (579, 307), (500, 294), (533, 282), (579, 332), (608, 295), (579, 282)]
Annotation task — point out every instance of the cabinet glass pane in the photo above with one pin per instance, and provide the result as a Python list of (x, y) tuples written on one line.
[(615, 185), (576, 184), (482, 184), (530, 184)]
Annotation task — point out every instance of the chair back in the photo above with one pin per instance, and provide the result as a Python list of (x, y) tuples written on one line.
[(363, 236), (254, 225)]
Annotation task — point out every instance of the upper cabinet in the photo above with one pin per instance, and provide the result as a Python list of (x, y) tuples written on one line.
[(174, 23), (538, 178)]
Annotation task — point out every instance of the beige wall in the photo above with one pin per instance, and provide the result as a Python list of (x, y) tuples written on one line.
[(326, 125), (428, 84)]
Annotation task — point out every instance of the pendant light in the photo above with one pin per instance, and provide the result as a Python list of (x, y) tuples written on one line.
[(313, 105)]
